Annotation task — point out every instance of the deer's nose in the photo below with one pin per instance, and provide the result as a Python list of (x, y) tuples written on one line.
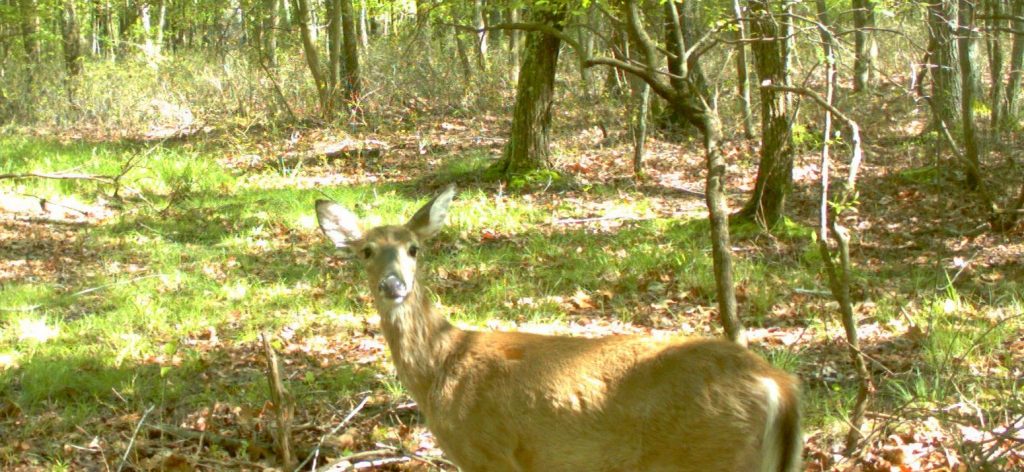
[(391, 286)]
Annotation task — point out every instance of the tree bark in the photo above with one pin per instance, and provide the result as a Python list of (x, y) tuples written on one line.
[(681, 31), (364, 33), (514, 46), (527, 147), (312, 58), (639, 106), (1016, 67), (965, 38), (30, 29), (334, 50), (270, 26), (863, 18), (351, 45), (775, 170), (481, 34), (742, 74), (996, 24), (944, 64), (71, 40)]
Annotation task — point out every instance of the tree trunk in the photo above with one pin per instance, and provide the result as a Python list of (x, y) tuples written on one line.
[(312, 58), (1016, 66), (682, 30), (639, 105), (161, 23), (742, 75), (513, 45), (775, 170), (351, 44), (996, 24), (30, 29), (946, 86), (828, 43), (481, 35), (527, 147), (364, 33), (718, 215), (965, 38), (863, 18), (71, 41), (334, 51), (270, 26)]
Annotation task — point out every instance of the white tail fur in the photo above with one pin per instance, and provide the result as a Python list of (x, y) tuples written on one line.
[(499, 401)]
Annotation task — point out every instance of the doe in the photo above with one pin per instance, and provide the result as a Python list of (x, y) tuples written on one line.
[(508, 401)]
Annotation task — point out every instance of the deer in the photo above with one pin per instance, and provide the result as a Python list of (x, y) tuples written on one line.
[(516, 401)]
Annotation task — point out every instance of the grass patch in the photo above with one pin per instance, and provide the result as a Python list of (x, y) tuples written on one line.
[(164, 303)]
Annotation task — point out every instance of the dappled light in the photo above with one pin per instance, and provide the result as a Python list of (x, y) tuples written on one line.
[(169, 301)]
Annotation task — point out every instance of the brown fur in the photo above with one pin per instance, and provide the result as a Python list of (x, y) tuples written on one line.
[(506, 401)]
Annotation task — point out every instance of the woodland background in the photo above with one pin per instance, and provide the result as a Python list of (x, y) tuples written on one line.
[(837, 184)]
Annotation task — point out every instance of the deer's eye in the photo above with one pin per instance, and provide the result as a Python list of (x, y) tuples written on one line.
[(413, 250), (367, 252)]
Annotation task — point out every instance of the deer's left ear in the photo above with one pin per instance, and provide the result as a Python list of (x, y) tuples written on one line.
[(427, 222)]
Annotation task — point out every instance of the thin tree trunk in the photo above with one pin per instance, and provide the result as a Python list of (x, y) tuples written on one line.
[(312, 58), (481, 34), (863, 18), (71, 41), (718, 215), (270, 27), (996, 24), (334, 49), (944, 64), (1016, 67), (742, 75), (351, 45), (513, 45), (364, 34), (30, 29), (965, 38), (639, 106), (161, 20), (828, 43)]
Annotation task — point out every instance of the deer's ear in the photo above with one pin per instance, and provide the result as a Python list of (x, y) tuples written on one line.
[(427, 222), (338, 224)]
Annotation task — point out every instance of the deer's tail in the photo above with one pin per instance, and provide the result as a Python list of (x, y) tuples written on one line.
[(782, 444)]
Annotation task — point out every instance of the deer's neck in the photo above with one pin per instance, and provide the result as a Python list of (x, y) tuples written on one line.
[(420, 341)]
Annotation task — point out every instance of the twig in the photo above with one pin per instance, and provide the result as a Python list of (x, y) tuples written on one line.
[(131, 443), (60, 176), (573, 221), (114, 284), (282, 406), (316, 451), (232, 445)]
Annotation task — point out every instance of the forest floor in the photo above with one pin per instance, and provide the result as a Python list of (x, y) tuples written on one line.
[(131, 312)]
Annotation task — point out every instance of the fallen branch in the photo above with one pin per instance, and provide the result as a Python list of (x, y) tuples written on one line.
[(282, 405), (316, 450), (59, 176), (135, 434), (573, 221), (232, 445)]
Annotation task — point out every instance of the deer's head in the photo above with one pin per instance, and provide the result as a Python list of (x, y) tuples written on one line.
[(389, 252)]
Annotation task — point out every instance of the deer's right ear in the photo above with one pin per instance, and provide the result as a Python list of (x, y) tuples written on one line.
[(337, 223)]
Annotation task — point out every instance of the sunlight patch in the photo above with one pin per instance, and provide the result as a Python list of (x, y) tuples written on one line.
[(36, 330), (8, 360)]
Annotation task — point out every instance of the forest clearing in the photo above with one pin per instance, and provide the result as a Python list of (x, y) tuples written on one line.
[(836, 185)]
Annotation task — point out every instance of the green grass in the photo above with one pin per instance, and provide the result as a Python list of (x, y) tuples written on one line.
[(204, 250)]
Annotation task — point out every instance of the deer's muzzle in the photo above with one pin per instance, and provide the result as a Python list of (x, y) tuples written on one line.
[(391, 286)]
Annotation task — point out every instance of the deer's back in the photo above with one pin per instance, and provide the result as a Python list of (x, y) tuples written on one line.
[(516, 401)]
